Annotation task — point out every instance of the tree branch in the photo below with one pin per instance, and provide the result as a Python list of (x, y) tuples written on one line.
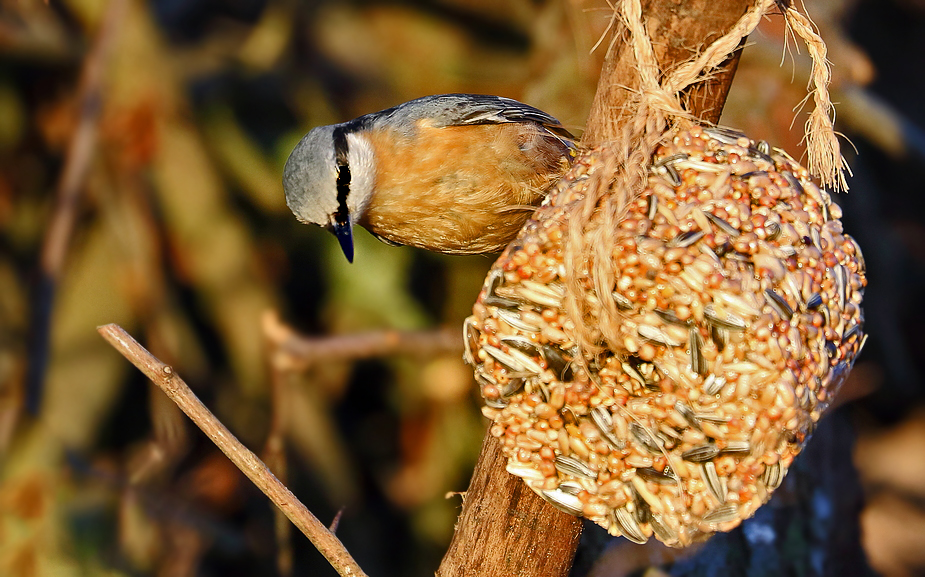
[(504, 527), (164, 377)]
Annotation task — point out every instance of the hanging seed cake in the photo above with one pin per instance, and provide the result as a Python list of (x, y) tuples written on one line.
[(740, 304)]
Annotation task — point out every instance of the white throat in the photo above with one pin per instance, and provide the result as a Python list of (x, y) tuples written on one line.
[(362, 162)]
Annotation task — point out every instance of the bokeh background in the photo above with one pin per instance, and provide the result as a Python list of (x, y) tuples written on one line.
[(141, 148)]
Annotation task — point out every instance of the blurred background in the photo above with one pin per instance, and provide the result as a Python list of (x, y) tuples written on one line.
[(141, 148)]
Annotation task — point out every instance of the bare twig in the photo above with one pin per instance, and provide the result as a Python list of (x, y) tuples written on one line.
[(164, 377), (299, 351), (76, 165), (289, 351), (274, 453)]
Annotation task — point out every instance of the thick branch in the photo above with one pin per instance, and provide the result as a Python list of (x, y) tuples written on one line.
[(678, 30), (164, 377), (504, 527)]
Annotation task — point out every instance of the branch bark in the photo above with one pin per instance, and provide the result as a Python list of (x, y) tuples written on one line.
[(504, 527), (678, 29), (164, 377)]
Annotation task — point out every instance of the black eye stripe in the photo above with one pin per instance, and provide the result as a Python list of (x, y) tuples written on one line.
[(342, 216)]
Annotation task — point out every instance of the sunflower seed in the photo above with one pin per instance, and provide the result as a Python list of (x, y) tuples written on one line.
[(496, 403), (725, 320), (841, 284), (643, 437), (722, 514), (793, 182), (725, 134), (513, 318), (687, 414), (713, 418), (772, 476), (670, 160), (720, 336), (698, 363), (656, 335), (651, 206), (669, 316), (778, 304), (565, 502), (713, 384), (470, 340), (686, 239), (641, 510), (512, 387), (722, 224), (522, 344), (671, 174), (557, 363), (814, 301), (700, 453), (495, 279), (574, 467), (604, 421), (754, 173), (627, 525), (665, 533), (852, 332), (773, 230), (500, 302), (656, 476), (623, 303), (507, 360), (711, 479), (736, 447)]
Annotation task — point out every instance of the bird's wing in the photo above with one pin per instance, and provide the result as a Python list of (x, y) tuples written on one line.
[(467, 109)]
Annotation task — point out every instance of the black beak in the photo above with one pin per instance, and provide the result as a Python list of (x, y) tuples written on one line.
[(344, 233)]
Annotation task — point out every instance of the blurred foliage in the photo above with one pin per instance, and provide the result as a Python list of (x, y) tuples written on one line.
[(182, 236)]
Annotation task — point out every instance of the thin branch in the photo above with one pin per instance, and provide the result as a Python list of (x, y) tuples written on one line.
[(164, 377), (274, 453), (302, 351), (76, 166)]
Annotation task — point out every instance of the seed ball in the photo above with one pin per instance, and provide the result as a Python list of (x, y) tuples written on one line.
[(738, 299)]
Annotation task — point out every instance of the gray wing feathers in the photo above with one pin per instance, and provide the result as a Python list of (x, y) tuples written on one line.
[(466, 109)]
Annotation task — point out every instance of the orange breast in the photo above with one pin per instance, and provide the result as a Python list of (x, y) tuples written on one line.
[(461, 189)]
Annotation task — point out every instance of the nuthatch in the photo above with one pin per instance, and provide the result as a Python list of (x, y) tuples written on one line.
[(453, 173)]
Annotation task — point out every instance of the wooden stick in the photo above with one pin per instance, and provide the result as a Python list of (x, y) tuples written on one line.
[(504, 527), (164, 377)]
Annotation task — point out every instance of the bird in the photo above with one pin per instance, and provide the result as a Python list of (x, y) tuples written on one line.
[(451, 173)]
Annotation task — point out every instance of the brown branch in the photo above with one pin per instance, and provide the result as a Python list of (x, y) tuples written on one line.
[(164, 377), (303, 351), (274, 451), (76, 166), (504, 527), (677, 30)]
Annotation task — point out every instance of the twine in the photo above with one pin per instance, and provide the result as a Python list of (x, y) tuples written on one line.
[(620, 173)]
